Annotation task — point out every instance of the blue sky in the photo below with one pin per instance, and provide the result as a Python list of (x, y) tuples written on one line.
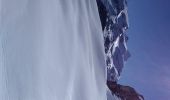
[(148, 69)]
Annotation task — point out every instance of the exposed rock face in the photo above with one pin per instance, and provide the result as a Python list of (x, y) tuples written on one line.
[(124, 92), (113, 14), (114, 20)]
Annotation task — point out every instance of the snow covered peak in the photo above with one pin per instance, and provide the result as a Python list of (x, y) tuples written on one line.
[(114, 20)]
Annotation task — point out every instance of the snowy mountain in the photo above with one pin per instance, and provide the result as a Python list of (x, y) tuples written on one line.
[(114, 20), (55, 49)]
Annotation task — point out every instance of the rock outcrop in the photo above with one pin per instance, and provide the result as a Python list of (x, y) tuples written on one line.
[(124, 92)]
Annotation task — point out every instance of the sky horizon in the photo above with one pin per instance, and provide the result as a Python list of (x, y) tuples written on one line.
[(147, 70)]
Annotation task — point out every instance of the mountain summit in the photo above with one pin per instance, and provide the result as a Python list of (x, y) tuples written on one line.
[(114, 21)]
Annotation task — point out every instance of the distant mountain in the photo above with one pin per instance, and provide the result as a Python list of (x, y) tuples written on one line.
[(114, 21)]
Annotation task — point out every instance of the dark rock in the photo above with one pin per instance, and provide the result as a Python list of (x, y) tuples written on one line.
[(124, 92)]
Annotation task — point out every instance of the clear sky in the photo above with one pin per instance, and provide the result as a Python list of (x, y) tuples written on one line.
[(148, 69)]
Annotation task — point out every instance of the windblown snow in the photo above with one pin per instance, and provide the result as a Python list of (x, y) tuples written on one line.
[(51, 50)]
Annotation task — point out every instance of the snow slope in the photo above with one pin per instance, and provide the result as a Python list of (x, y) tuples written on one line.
[(51, 50)]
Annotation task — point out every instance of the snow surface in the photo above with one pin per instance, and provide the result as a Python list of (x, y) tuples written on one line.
[(51, 50)]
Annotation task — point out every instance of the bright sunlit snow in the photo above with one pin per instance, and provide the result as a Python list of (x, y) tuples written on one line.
[(51, 50)]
